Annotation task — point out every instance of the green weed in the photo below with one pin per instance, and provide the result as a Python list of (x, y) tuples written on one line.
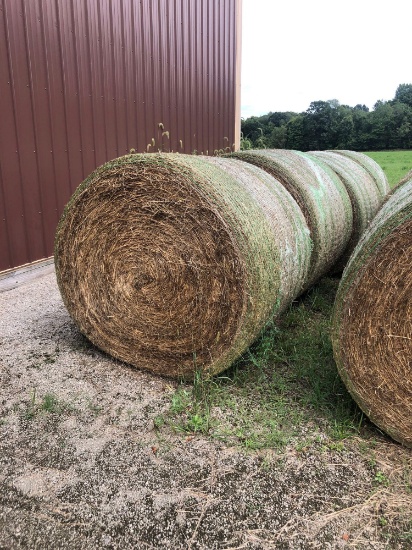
[(381, 478), (383, 522), (49, 404)]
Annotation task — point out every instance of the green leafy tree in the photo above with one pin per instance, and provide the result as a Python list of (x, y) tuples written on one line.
[(296, 133), (404, 94), (277, 137), (319, 125), (402, 126), (343, 132), (361, 130), (329, 125), (252, 128), (382, 121)]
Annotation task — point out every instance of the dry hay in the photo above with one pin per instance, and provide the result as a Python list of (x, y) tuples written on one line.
[(403, 180), (365, 197), (372, 167), (175, 263), (372, 320), (321, 196)]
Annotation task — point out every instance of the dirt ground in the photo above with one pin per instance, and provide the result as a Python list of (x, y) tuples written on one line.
[(84, 466)]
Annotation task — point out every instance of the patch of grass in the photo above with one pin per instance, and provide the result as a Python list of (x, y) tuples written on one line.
[(285, 387), (49, 404), (93, 408), (192, 407), (395, 164)]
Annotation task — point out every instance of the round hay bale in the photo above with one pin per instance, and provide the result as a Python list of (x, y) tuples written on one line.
[(175, 263), (363, 193), (321, 196), (403, 180), (372, 167), (372, 319), (285, 219)]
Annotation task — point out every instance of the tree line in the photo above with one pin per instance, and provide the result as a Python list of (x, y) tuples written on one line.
[(329, 125)]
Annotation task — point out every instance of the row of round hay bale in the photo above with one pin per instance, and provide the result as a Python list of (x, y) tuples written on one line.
[(364, 192), (175, 263), (372, 319), (321, 196)]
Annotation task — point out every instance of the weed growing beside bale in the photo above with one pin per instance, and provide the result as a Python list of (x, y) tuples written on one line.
[(321, 196), (364, 194), (372, 320), (175, 263)]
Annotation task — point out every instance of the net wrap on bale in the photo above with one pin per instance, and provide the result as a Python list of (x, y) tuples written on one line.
[(321, 196), (365, 196), (175, 263), (372, 319), (378, 175)]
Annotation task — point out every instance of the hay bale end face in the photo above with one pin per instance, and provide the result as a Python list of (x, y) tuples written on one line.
[(372, 319), (174, 264), (321, 196)]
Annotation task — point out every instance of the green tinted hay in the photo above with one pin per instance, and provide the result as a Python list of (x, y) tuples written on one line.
[(321, 196), (372, 167), (372, 319), (175, 263), (365, 197)]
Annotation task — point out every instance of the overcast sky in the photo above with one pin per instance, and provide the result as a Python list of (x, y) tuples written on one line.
[(298, 51)]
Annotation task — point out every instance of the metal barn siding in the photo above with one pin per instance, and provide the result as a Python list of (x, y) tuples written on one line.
[(84, 81)]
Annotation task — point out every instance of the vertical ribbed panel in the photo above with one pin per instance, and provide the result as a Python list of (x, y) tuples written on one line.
[(84, 81)]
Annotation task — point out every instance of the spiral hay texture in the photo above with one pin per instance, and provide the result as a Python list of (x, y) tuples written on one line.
[(365, 195), (321, 196), (175, 263), (378, 175), (372, 320)]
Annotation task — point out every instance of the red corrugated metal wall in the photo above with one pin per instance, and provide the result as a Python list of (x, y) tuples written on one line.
[(84, 81)]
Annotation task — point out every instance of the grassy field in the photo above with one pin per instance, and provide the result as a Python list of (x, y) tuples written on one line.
[(395, 164)]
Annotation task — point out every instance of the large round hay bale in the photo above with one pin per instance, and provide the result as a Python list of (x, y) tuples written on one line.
[(371, 166), (365, 197), (403, 180), (285, 218), (372, 319), (321, 196), (175, 263)]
